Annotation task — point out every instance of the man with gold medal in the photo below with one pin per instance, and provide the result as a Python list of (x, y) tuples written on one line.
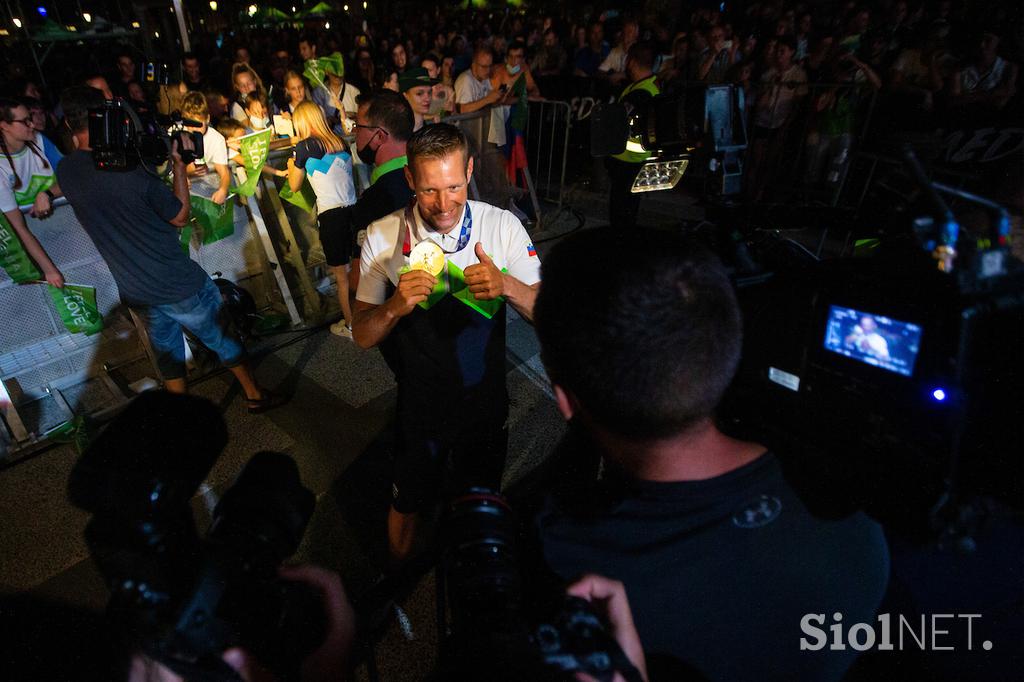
[(433, 282)]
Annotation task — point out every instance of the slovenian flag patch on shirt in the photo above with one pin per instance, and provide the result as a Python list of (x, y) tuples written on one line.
[(530, 251)]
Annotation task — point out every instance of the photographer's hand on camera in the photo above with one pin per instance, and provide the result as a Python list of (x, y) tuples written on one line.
[(330, 660), (609, 599)]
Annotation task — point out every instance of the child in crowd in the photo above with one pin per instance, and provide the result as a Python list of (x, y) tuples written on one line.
[(214, 163), (233, 131), (256, 113)]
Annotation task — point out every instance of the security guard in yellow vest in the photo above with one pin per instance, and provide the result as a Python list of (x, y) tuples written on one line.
[(623, 168)]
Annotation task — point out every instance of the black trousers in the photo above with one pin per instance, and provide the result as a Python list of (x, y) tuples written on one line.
[(622, 204)]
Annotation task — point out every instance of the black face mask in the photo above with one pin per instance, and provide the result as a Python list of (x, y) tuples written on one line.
[(367, 155)]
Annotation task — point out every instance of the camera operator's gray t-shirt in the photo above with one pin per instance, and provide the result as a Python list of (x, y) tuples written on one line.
[(126, 214)]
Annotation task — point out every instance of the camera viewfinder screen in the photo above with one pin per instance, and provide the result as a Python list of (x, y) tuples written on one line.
[(873, 339)]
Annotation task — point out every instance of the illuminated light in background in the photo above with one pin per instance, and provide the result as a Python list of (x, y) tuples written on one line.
[(939, 394), (252, 10), (72, 28), (213, 5), (17, 22), (364, 4), (87, 17), (345, 8), (327, 24), (156, 34), (135, 24), (41, 10), (293, 9)]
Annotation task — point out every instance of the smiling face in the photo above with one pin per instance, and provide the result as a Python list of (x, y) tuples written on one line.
[(441, 187), (419, 99), (398, 57), (20, 128), (244, 83)]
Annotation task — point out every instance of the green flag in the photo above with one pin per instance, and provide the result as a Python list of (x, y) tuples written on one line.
[(316, 70), (217, 220), (254, 149), (452, 280), (13, 257), (457, 284), (76, 305), (305, 198)]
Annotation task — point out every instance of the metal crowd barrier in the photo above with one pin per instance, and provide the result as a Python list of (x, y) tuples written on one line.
[(48, 376), (812, 162), (547, 141)]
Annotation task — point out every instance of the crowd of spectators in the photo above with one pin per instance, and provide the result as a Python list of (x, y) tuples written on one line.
[(808, 70)]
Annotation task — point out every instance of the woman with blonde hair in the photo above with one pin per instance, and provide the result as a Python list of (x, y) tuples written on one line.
[(246, 82), (324, 158)]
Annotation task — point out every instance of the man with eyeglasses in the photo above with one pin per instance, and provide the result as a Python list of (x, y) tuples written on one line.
[(473, 90), (434, 279), (383, 125)]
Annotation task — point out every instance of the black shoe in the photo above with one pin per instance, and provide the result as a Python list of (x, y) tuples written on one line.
[(269, 401)]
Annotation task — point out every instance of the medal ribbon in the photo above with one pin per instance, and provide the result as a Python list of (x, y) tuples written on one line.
[(410, 221)]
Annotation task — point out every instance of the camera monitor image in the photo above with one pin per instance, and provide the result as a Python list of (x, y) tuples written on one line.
[(873, 339)]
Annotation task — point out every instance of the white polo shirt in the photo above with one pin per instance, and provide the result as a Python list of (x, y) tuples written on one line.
[(468, 89), (504, 238)]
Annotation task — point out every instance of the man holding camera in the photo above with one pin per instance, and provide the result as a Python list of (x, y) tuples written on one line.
[(719, 553), (134, 221), (442, 328)]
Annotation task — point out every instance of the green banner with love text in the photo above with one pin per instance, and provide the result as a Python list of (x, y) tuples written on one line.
[(254, 149), (76, 305), (13, 257)]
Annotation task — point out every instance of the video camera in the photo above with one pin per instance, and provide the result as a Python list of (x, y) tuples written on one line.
[(699, 129), (498, 626), (179, 598), (899, 367), (121, 139)]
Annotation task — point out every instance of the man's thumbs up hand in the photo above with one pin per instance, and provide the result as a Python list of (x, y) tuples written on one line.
[(484, 279)]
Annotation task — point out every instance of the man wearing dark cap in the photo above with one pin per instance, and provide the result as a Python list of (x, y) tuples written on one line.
[(417, 85)]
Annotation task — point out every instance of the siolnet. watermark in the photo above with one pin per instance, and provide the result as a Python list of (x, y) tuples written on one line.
[(933, 632)]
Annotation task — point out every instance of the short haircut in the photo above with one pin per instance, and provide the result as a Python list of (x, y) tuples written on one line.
[(517, 45), (642, 54), (430, 57), (194, 106), (390, 111), (436, 142), (189, 55), (482, 49), (309, 39), (647, 340), (229, 127), (76, 102), (787, 40)]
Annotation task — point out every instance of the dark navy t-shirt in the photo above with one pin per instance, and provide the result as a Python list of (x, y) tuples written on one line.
[(126, 214), (720, 572)]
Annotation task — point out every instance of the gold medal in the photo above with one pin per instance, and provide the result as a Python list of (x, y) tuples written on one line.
[(427, 256)]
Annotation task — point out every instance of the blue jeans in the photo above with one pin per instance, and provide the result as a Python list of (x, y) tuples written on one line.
[(200, 314)]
